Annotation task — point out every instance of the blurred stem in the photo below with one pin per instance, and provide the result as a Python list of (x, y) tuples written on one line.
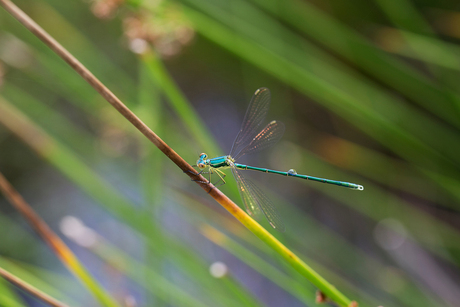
[(298, 290), (53, 283), (346, 42), (405, 15), (164, 290), (150, 108), (9, 296), (32, 290), (425, 48), (57, 245), (222, 199), (180, 103)]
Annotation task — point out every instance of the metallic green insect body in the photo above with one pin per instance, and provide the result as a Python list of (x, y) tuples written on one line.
[(251, 139)]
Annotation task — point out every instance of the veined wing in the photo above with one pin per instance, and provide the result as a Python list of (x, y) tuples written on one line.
[(255, 200), (268, 137), (255, 115)]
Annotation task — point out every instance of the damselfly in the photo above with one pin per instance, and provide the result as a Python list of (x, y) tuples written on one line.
[(251, 139)]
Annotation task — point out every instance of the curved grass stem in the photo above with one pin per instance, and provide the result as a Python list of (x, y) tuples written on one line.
[(55, 243), (31, 289)]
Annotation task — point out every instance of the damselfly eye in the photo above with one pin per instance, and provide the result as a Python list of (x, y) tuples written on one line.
[(203, 155), (201, 165)]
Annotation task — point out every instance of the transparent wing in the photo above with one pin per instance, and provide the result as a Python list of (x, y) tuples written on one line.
[(252, 207), (268, 137), (255, 200), (255, 115)]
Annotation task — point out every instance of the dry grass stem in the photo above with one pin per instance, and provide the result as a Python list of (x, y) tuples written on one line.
[(31, 289)]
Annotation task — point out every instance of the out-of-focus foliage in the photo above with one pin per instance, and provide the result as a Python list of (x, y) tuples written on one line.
[(368, 92)]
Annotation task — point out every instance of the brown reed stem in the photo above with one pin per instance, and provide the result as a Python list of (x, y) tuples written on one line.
[(34, 220), (57, 245), (95, 83), (31, 289), (119, 106)]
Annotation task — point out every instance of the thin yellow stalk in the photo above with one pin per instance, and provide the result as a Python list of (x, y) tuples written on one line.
[(329, 290), (31, 289), (57, 245)]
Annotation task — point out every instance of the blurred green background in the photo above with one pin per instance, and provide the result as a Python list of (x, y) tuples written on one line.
[(369, 93)]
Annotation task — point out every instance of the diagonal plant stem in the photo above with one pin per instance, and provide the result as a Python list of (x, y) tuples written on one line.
[(57, 245), (31, 289), (329, 290)]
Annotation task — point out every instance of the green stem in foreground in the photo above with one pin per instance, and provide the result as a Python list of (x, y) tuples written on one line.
[(328, 289)]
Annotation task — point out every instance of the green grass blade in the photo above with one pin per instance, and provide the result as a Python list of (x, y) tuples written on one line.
[(344, 41)]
